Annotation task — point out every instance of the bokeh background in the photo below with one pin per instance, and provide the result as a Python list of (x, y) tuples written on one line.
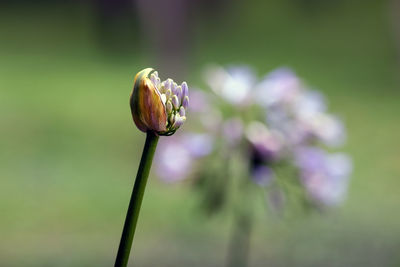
[(69, 150)]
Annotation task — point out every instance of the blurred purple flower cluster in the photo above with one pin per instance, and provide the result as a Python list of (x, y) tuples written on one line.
[(276, 122)]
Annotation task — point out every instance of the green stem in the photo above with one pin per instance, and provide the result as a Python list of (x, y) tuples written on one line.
[(136, 200), (240, 241)]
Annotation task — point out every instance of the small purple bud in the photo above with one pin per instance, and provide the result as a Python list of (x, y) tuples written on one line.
[(185, 90), (168, 83), (185, 102), (179, 92), (171, 119), (169, 107), (178, 121), (174, 88), (162, 87), (175, 101), (182, 111), (153, 79), (168, 93)]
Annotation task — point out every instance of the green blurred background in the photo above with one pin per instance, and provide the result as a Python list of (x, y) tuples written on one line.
[(69, 149)]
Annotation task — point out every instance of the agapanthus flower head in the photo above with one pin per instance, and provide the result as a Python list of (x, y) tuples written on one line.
[(158, 106), (261, 127)]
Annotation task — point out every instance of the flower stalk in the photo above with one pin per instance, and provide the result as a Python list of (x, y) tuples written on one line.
[(239, 246), (158, 108), (136, 200)]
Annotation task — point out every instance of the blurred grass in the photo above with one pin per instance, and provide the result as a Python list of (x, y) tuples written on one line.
[(69, 150)]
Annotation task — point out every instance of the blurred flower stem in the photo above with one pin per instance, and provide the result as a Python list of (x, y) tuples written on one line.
[(136, 199), (238, 251), (242, 226)]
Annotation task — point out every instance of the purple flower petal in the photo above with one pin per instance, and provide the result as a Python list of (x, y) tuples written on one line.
[(324, 176)]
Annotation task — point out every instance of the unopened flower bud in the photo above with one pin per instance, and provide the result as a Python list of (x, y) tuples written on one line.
[(168, 93), (185, 90), (182, 111), (158, 106), (185, 102), (175, 101), (169, 106)]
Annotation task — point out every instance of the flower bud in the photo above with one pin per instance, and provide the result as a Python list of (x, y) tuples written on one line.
[(158, 106)]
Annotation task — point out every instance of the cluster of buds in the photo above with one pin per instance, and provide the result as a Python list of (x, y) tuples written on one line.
[(158, 106)]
